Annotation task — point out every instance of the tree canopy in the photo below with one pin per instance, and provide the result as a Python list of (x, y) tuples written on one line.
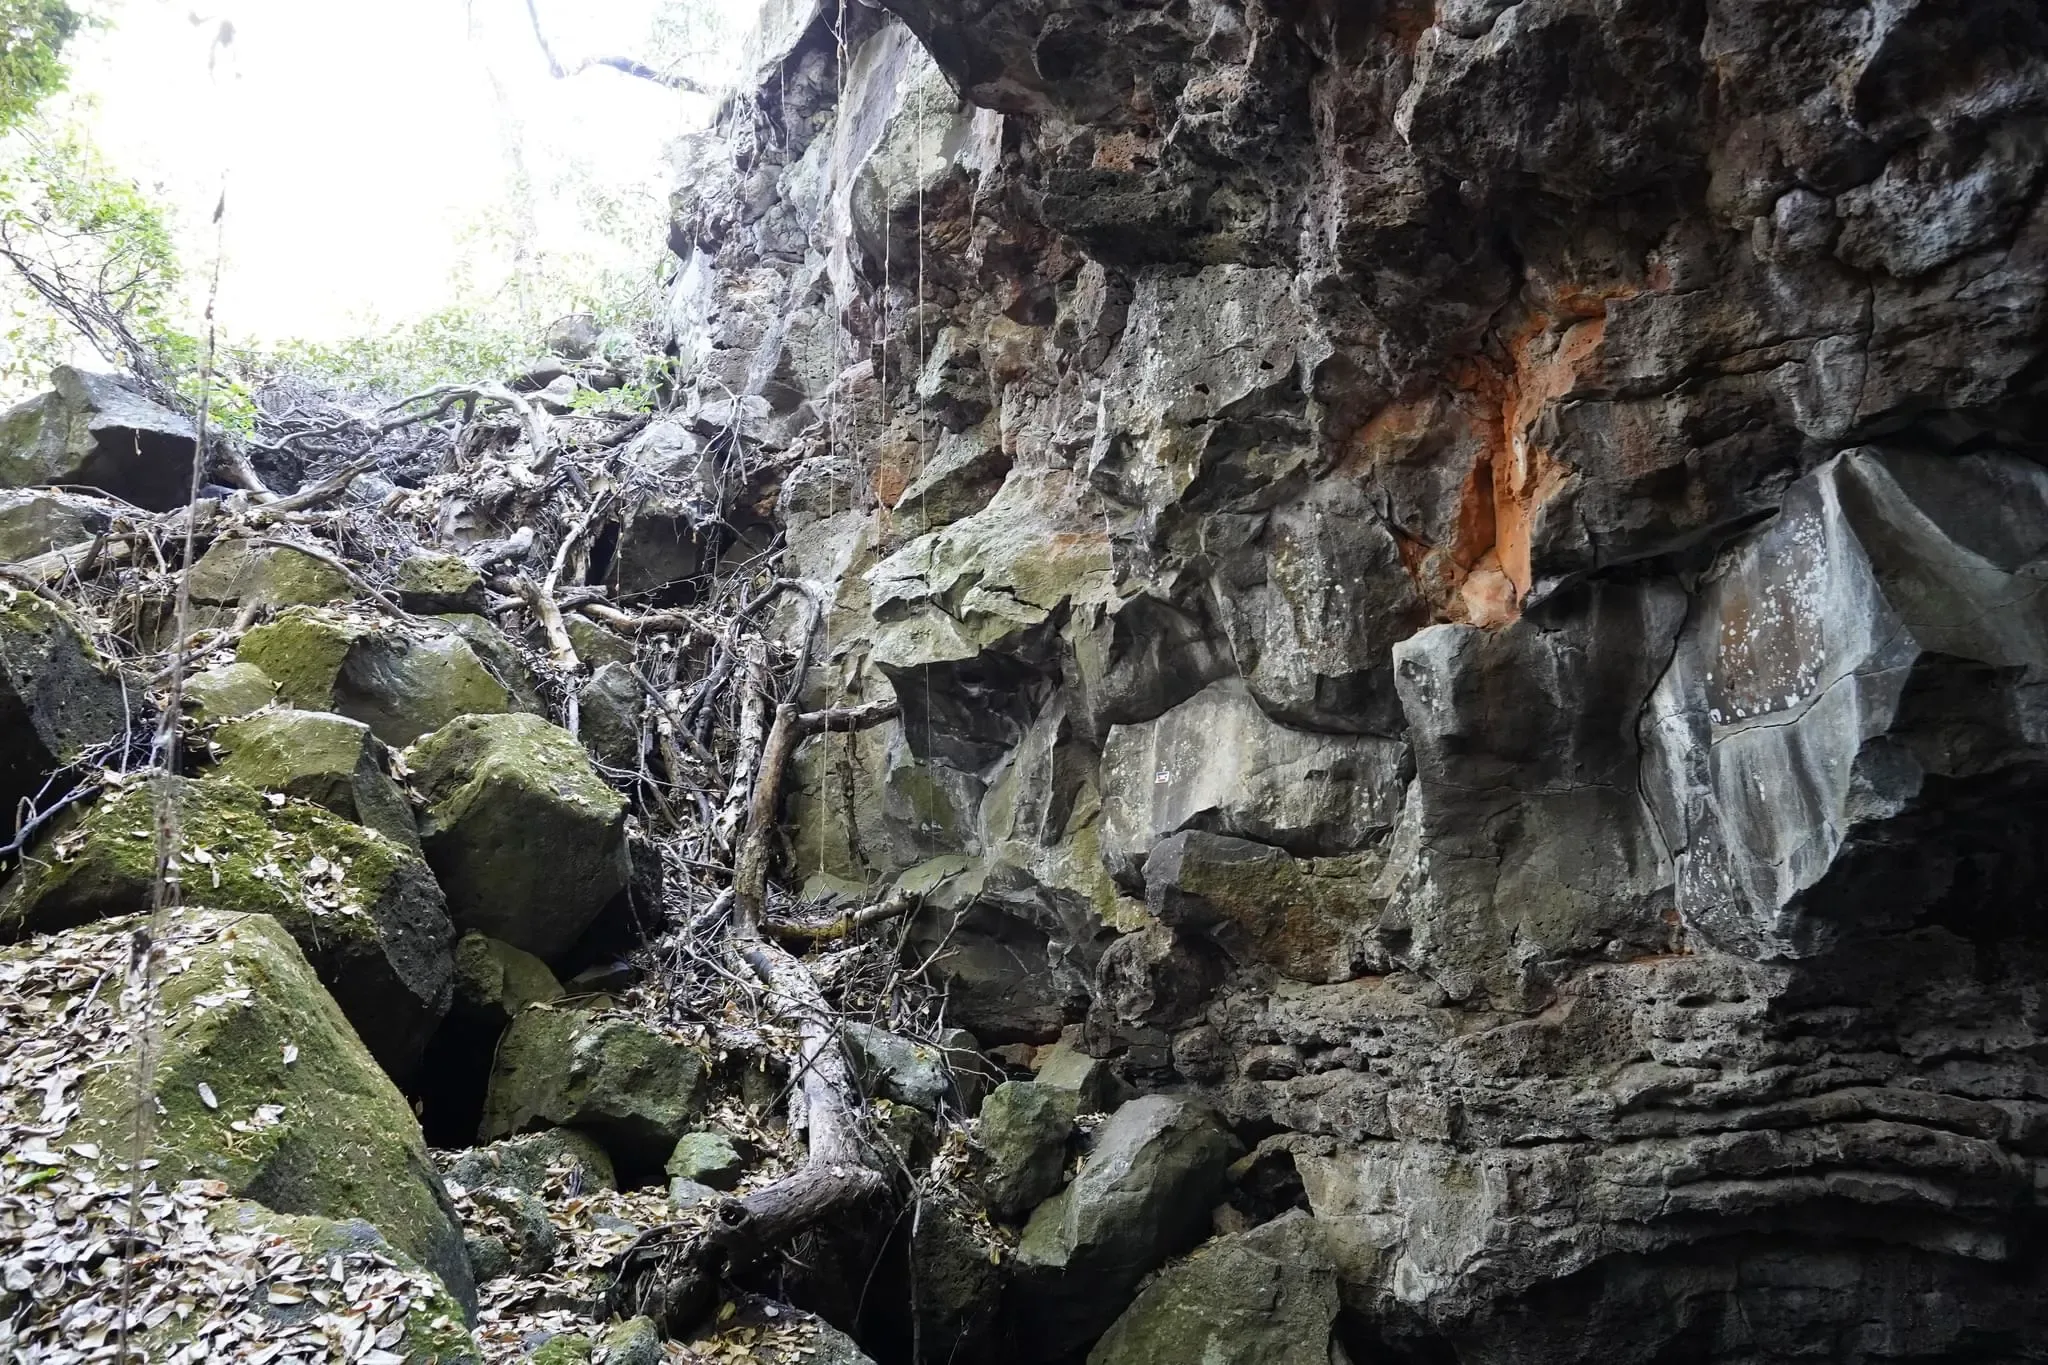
[(32, 38)]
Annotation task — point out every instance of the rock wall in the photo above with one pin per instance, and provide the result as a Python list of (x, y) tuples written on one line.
[(1465, 581)]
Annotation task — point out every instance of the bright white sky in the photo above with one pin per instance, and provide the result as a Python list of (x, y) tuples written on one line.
[(360, 138)]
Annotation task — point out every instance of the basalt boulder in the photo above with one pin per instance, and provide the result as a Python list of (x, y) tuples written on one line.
[(527, 839)]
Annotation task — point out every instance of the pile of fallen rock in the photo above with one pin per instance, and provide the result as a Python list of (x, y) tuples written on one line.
[(421, 882)]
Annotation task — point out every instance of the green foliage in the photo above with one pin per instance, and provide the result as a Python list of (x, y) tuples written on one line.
[(32, 38), (92, 255)]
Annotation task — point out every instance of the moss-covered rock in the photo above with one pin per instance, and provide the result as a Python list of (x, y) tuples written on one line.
[(637, 1091), (37, 521), (366, 911), (505, 660), (93, 431), (1142, 1195), (57, 697), (636, 1341), (431, 1330), (595, 645), (706, 1158), (495, 981), (564, 1348), (1263, 1297), (260, 1083), (610, 707), (529, 1161), (433, 583), (228, 692), (1023, 1135), (400, 681), (247, 574), (316, 756), (528, 840)]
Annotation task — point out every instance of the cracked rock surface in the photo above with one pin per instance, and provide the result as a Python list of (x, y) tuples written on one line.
[(1466, 584)]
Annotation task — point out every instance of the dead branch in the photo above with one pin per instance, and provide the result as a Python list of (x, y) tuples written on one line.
[(625, 65), (894, 906), (560, 648), (648, 623), (791, 728), (753, 722)]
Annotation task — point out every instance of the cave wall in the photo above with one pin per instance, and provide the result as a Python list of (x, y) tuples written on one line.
[(1468, 581)]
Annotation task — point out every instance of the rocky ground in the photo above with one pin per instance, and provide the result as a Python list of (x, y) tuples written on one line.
[(1298, 683)]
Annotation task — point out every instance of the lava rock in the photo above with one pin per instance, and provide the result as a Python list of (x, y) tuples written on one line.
[(1263, 1297), (326, 759), (229, 692), (1143, 1194), (528, 841), (366, 911), (1023, 1132), (432, 584), (609, 709), (636, 1090), (94, 431), (401, 682), (528, 1162), (37, 521), (271, 1092), (495, 981), (58, 698), (706, 1158)]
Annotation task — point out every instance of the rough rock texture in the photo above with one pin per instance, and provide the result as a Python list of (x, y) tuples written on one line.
[(329, 760), (92, 431), (57, 699), (1464, 580), (527, 840), (1143, 1194), (400, 681), (1023, 1137), (261, 1083), (1264, 1297), (365, 910), (255, 576), (634, 1089), (37, 521)]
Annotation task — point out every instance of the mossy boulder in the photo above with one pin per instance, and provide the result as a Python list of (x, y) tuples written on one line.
[(636, 1341), (251, 575), (37, 521), (58, 698), (1023, 1136), (1263, 1297), (564, 1348), (899, 1068), (610, 707), (366, 910), (228, 692), (634, 1089), (528, 1162), (316, 756), (495, 981), (431, 583), (1142, 1195), (260, 1083), (93, 431), (597, 646), (528, 840), (505, 660), (400, 681), (431, 1331), (708, 1158)]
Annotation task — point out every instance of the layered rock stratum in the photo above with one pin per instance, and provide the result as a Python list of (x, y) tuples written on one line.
[(1465, 583)]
